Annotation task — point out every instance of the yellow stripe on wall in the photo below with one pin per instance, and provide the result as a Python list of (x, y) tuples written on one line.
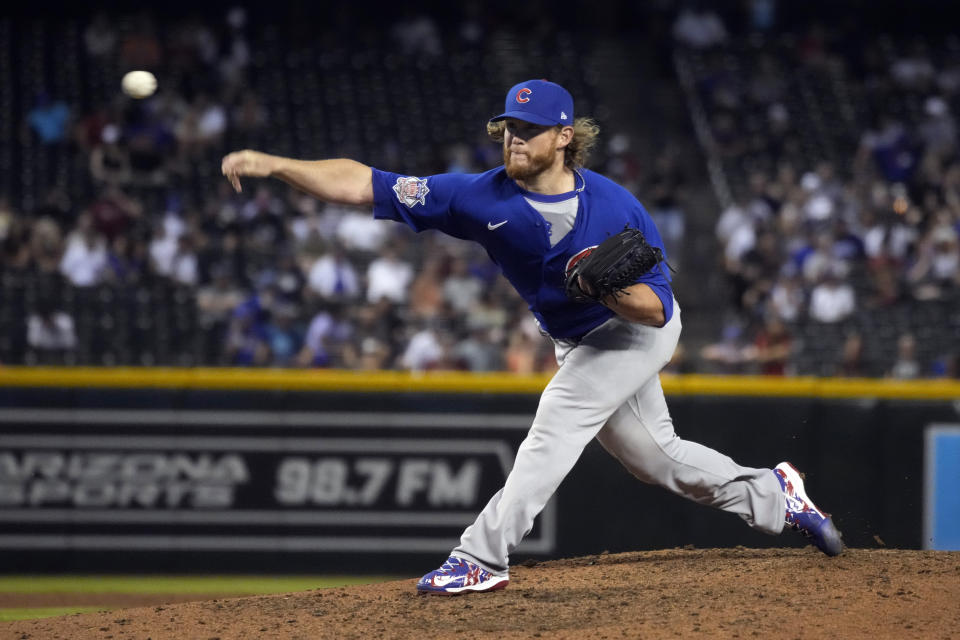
[(269, 379), (809, 387), (454, 382)]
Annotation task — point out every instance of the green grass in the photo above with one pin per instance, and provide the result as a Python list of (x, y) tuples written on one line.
[(9, 615), (238, 585), (202, 585)]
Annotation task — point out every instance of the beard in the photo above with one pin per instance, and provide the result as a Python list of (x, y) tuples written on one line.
[(535, 164)]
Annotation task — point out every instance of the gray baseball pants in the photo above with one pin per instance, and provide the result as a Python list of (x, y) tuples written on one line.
[(608, 387)]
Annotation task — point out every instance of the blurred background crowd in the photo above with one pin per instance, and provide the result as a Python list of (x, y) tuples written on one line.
[(801, 164)]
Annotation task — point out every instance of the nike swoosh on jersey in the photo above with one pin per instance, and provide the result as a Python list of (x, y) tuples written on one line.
[(492, 226)]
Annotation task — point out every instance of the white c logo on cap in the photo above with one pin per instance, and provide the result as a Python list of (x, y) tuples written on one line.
[(522, 95)]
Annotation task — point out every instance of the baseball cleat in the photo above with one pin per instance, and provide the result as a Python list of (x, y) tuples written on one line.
[(804, 516), (458, 576)]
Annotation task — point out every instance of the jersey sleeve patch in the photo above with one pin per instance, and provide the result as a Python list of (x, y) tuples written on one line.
[(411, 191)]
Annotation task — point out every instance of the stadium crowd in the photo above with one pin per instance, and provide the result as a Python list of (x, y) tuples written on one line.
[(840, 242), (156, 261)]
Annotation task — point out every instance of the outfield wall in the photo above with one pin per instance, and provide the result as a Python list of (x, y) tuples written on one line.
[(320, 471)]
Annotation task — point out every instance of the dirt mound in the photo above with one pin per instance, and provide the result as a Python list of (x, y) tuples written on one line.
[(680, 593)]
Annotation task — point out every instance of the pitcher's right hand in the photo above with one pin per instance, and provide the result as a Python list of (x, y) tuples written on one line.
[(245, 163)]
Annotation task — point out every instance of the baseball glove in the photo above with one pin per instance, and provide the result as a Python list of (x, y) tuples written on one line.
[(610, 267)]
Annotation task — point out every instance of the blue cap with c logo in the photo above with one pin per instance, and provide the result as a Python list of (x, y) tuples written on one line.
[(539, 102)]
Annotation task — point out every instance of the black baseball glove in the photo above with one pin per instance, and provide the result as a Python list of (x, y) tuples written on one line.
[(611, 267)]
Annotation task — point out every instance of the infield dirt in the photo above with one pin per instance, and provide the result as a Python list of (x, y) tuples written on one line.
[(678, 593)]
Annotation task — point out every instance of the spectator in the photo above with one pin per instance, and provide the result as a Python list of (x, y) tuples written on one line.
[(847, 245), (84, 262), (417, 35), (425, 350), (521, 353), (164, 245), (100, 36), (250, 115), (772, 348), (306, 225), (127, 261), (50, 330), (140, 48), (247, 341), (10, 225), (733, 222), (234, 62), (333, 277), (264, 229), (471, 29), (183, 263), (374, 354), (892, 149), (699, 27), (667, 211), (886, 287), (488, 313), (938, 130), (227, 252), (211, 120), (729, 355), (283, 336), (389, 277), (622, 165), (913, 70), (890, 237), (936, 273), (215, 304), (110, 161), (852, 363), (45, 247), (88, 132), (906, 366), (946, 365), (478, 352), (426, 291), (378, 334), (113, 213), (150, 144), (288, 279), (787, 297), (757, 272), (58, 206), (49, 119), (459, 159), (358, 231), (461, 290), (326, 335), (833, 300), (821, 258)]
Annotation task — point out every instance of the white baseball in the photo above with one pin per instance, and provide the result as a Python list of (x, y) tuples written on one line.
[(139, 84)]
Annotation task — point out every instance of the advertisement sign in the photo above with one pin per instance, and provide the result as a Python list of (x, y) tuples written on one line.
[(252, 481)]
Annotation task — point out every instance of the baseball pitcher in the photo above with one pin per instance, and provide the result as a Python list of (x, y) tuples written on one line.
[(588, 260)]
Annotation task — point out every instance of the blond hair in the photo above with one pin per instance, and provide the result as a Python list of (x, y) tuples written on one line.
[(575, 154)]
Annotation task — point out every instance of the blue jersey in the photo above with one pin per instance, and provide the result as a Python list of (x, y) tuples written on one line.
[(491, 209)]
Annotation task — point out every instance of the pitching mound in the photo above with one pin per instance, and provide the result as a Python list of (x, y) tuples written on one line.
[(715, 593)]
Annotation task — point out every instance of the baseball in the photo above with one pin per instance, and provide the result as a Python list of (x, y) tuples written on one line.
[(139, 84)]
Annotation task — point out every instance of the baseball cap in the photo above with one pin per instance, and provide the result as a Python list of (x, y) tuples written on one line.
[(539, 102)]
